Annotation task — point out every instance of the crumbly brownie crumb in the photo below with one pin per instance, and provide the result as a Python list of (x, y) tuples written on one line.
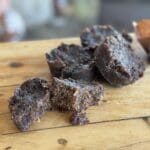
[(79, 119)]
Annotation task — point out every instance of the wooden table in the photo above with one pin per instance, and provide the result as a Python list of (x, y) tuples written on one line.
[(119, 123)]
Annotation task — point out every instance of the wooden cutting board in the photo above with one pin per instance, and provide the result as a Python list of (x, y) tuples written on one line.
[(119, 123)]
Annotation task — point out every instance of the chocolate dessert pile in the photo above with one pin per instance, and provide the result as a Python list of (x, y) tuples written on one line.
[(75, 96), (76, 70)]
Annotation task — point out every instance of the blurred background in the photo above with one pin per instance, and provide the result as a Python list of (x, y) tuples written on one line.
[(45, 19)]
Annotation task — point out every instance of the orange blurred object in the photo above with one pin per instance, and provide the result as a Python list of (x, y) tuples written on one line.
[(142, 29)]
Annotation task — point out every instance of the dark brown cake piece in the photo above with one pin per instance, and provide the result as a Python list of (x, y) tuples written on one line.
[(95, 36), (117, 62), (75, 96), (71, 61), (29, 103)]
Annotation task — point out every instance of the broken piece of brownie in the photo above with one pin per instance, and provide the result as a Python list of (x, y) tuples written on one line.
[(117, 62), (95, 36), (74, 96), (71, 61), (29, 103)]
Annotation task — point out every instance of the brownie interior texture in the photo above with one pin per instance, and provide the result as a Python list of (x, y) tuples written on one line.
[(29, 103), (75, 96), (71, 61), (117, 62), (35, 96), (95, 36)]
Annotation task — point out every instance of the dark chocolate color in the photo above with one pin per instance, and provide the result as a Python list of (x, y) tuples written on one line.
[(75, 96), (117, 62), (29, 103), (71, 61), (95, 36)]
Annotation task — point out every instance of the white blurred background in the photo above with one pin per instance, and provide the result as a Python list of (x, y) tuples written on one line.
[(45, 19)]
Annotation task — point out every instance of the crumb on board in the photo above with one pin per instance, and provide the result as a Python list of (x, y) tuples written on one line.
[(16, 64), (62, 141), (8, 148)]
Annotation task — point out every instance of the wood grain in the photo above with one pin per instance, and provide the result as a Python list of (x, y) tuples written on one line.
[(105, 130), (124, 103), (106, 136)]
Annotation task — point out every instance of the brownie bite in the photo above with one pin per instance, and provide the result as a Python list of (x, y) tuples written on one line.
[(95, 36), (71, 61), (74, 96), (29, 103), (117, 62)]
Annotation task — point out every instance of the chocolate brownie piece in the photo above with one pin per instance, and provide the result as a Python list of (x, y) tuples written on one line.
[(71, 61), (95, 36), (74, 96), (29, 103), (117, 62)]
